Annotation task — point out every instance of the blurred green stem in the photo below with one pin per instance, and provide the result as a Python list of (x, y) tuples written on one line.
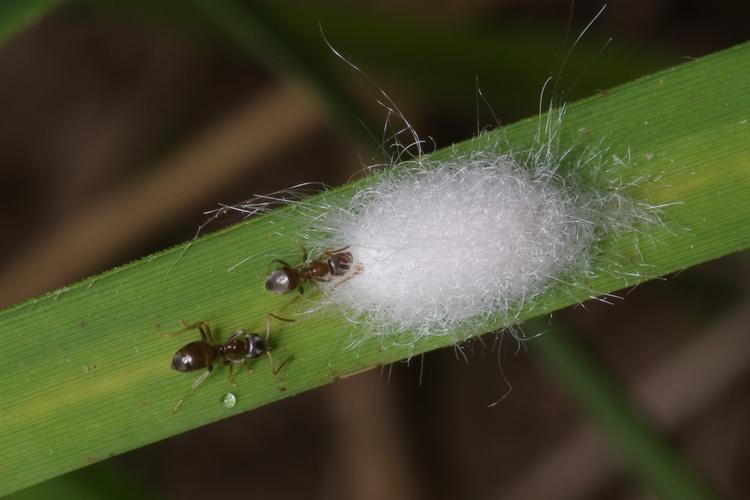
[(15, 15), (639, 444), (103, 480), (258, 30)]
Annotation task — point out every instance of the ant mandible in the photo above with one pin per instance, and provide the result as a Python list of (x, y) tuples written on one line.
[(334, 263), (240, 347)]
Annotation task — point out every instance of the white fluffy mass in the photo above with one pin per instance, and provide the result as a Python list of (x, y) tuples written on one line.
[(435, 246), (442, 245)]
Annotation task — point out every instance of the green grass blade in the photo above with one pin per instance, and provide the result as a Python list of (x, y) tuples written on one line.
[(15, 15), (86, 376)]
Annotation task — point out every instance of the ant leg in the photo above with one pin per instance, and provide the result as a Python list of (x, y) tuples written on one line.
[(278, 261), (237, 333), (274, 316), (231, 380), (330, 253), (268, 323), (205, 330), (274, 369), (269, 317), (194, 385), (202, 326), (304, 251), (316, 283), (347, 278), (280, 318)]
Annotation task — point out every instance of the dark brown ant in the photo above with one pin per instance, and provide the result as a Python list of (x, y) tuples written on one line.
[(288, 278), (240, 347)]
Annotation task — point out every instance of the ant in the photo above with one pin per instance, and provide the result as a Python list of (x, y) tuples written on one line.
[(288, 278), (238, 349)]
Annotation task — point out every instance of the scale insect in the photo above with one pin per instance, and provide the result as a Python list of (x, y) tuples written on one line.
[(238, 349), (333, 263)]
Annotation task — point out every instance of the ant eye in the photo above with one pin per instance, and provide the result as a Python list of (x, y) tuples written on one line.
[(278, 282)]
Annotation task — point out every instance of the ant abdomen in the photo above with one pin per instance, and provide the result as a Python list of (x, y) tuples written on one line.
[(282, 280), (193, 356)]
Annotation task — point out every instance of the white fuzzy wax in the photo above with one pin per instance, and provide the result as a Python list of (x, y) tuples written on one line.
[(438, 245)]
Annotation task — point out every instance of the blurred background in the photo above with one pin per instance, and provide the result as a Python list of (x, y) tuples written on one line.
[(122, 122)]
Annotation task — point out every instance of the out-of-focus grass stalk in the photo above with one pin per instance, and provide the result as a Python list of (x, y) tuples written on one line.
[(15, 15), (257, 29), (643, 449)]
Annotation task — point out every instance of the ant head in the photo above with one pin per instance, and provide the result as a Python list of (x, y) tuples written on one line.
[(279, 282), (189, 358), (256, 345)]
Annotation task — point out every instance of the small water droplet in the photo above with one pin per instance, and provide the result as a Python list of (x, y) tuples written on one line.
[(229, 400)]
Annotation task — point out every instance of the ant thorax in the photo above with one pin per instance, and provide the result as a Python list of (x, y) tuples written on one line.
[(238, 349)]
